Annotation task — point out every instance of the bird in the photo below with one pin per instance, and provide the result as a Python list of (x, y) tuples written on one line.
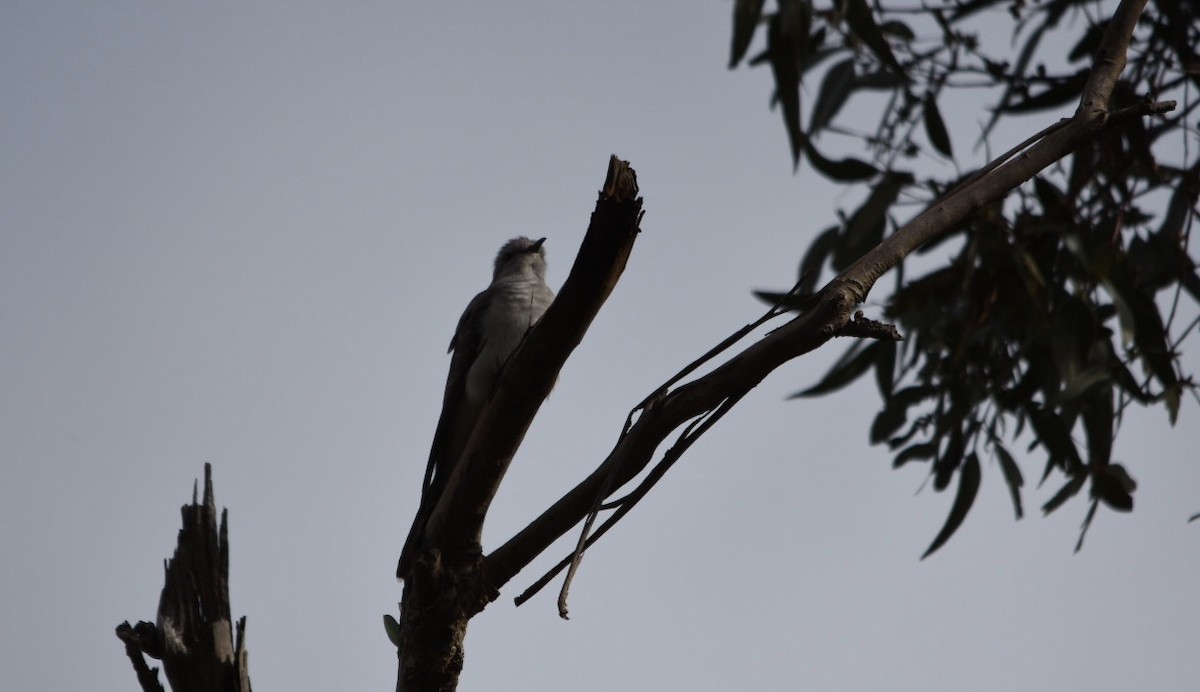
[(489, 331)]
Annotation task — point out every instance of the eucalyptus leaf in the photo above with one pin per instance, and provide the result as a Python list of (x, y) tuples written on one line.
[(968, 487)]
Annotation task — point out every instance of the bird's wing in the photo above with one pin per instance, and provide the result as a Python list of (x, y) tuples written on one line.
[(464, 347)]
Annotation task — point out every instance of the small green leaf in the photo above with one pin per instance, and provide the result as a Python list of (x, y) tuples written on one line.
[(853, 363), (1170, 236), (1171, 397), (864, 228), (1064, 493), (907, 435), (1055, 436), (1097, 413), (746, 16), (1118, 472), (1125, 315), (968, 487), (814, 258), (935, 128), (1128, 384), (903, 400), (836, 88), (1012, 476), (818, 55), (1079, 383), (1140, 317), (783, 47), (1114, 489), (887, 422), (847, 170), (885, 369), (1087, 522), (897, 28), (1054, 96), (924, 451), (862, 24), (392, 628), (949, 460)]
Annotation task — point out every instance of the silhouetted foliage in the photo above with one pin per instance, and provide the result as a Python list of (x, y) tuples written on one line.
[(1052, 311)]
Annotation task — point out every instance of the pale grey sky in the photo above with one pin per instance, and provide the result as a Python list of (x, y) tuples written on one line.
[(242, 233)]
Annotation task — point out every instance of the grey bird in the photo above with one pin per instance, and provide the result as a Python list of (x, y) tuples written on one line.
[(489, 331)]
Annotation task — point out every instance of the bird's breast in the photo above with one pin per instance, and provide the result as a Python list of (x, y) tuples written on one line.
[(512, 310)]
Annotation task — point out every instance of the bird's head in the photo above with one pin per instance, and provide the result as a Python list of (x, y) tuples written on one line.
[(520, 255)]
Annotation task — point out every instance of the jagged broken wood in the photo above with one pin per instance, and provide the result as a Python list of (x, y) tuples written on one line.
[(193, 634)]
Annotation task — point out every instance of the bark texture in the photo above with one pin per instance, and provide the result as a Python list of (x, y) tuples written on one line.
[(193, 634)]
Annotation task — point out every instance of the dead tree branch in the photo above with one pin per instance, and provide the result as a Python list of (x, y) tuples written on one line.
[(194, 634)]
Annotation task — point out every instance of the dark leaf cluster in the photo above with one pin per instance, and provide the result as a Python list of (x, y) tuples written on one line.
[(1051, 312)]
